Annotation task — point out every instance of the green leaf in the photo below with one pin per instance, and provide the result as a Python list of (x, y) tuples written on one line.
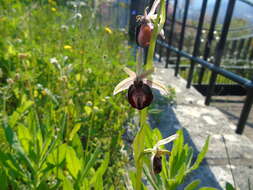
[(24, 137), (16, 116), (155, 111), (229, 186), (101, 170), (201, 155), (150, 179), (77, 145), (208, 188), (58, 154), (67, 184), (74, 131), (193, 185), (14, 142), (99, 183), (73, 163), (3, 180), (90, 163)]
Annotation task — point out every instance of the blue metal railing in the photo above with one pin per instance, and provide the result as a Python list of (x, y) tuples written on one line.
[(240, 45)]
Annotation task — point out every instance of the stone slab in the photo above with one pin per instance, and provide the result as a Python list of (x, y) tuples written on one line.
[(226, 149)]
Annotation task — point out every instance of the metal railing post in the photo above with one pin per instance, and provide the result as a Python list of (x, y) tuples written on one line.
[(197, 42), (210, 36), (160, 50), (246, 49), (240, 48), (171, 32), (220, 49), (245, 111), (181, 41)]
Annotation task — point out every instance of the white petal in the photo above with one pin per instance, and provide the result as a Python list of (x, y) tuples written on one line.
[(145, 12), (162, 34), (129, 72), (152, 17), (123, 85), (166, 140), (149, 150), (153, 8), (157, 85)]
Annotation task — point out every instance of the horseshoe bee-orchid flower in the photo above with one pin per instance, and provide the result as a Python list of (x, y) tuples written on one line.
[(157, 152), (139, 88)]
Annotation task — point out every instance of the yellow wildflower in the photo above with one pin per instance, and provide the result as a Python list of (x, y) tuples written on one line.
[(35, 93), (44, 92), (53, 9), (108, 30), (67, 47)]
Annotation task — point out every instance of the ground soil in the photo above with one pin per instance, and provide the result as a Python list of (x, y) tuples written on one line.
[(231, 106)]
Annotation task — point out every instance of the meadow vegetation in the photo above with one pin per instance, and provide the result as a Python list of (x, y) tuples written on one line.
[(60, 126)]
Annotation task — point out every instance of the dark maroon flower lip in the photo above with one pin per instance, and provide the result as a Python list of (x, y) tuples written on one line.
[(140, 95), (157, 164)]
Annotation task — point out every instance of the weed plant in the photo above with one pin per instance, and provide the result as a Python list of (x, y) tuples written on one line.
[(60, 126)]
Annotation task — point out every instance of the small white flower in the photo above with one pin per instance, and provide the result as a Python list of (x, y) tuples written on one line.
[(10, 81), (69, 68), (82, 4), (19, 40), (96, 109), (39, 86), (89, 103), (65, 58), (64, 27), (89, 70), (53, 60), (217, 38), (78, 16)]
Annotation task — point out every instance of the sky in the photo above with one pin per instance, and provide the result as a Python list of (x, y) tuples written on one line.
[(242, 10)]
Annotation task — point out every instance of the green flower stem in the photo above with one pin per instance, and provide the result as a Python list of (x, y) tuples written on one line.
[(139, 145), (158, 25), (139, 141)]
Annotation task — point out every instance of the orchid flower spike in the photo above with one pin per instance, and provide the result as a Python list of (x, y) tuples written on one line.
[(157, 152), (144, 30), (139, 88)]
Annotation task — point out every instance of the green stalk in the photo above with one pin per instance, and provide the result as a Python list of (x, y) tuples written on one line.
[(139, 148), (159, 21), (138, 144)]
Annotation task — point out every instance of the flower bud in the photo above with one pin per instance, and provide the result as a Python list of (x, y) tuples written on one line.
[(143, 35), (10, 81)]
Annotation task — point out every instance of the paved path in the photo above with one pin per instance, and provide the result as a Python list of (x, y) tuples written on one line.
[(198, 121), (232, 106)]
